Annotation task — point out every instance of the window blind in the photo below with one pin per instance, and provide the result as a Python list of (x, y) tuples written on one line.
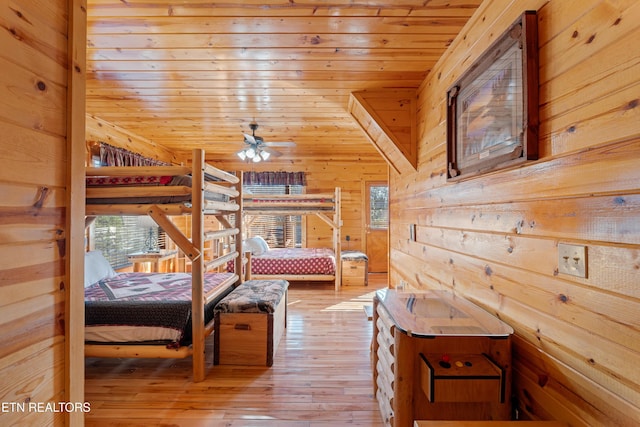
[(280, 231), (118, 236), (379, 207)]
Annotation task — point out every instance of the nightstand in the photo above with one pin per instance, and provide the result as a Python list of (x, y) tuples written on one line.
[(162, 261)]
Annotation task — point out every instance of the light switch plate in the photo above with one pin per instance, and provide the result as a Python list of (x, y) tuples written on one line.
[(572, 259)]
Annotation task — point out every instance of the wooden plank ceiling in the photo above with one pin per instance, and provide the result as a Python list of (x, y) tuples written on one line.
[(196, 73)]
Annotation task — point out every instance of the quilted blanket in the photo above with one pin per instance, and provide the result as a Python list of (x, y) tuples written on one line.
[(148, 299)]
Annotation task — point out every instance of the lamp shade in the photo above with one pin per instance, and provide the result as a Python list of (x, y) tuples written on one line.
[(254, 152), (145, 221)]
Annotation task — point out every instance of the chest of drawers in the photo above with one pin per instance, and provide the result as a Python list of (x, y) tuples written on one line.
[(436, 356)]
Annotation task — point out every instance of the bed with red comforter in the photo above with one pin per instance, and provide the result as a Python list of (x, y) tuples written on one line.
[(293, 264)]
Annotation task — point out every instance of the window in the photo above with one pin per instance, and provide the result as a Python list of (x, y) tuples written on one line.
[(379, 207), (280, 231), (117, 236)]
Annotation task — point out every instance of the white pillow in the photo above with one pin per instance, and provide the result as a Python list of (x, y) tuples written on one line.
[(96, 268), (256, 245)]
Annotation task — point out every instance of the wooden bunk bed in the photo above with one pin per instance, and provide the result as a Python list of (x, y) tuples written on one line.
[(325, 206), (194, 200)]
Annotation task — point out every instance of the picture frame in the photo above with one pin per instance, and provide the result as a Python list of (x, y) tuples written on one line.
[(492, 109)]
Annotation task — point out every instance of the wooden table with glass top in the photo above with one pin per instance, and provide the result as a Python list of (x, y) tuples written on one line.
[(439, 356)]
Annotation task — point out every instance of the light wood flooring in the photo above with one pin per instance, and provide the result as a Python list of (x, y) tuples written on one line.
[(321, 375)]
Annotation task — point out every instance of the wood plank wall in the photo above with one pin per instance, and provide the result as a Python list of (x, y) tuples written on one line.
[(351, 178), (33, 123), (494, 238)]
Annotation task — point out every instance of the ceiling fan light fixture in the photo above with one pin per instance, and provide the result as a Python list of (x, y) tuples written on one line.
[(255, 147)]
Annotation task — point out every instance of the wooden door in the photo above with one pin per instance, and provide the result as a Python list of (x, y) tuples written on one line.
[(377, 226)]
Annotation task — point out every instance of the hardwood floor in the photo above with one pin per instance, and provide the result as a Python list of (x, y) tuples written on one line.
[(321, 375)]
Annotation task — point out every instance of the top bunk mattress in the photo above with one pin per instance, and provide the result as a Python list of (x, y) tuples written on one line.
[(146, 181), (290, 203)]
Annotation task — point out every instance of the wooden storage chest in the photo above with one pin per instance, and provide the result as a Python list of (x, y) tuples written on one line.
[(250, 322), (354, 268)]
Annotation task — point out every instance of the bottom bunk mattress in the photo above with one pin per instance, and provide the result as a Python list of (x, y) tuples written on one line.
[(147, 307), (294, 262)]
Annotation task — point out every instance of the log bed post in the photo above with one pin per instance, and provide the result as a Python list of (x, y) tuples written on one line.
[(197, 266), (337, 244), (239, 262)]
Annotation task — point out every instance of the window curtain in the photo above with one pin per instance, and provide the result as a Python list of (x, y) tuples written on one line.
[(275, 178), (116, 156)]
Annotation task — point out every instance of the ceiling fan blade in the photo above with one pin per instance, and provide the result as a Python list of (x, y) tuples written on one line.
[(259, 144), (249, 139), (281, 144), (271, 151)]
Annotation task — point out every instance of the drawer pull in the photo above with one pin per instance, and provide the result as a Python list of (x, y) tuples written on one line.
[(242, 327)]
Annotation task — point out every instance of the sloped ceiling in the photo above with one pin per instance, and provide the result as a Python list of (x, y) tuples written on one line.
[(388, 117)]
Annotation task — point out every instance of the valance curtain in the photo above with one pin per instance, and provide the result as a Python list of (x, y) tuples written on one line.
[(115, 156), (275, 178)]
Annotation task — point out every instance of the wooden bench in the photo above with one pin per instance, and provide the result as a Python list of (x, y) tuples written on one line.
[(249, 323)]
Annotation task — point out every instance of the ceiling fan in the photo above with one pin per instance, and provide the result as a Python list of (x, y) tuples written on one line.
[(257, 149)]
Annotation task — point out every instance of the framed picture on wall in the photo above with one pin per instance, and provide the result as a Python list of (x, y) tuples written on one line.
[(492, 109)]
